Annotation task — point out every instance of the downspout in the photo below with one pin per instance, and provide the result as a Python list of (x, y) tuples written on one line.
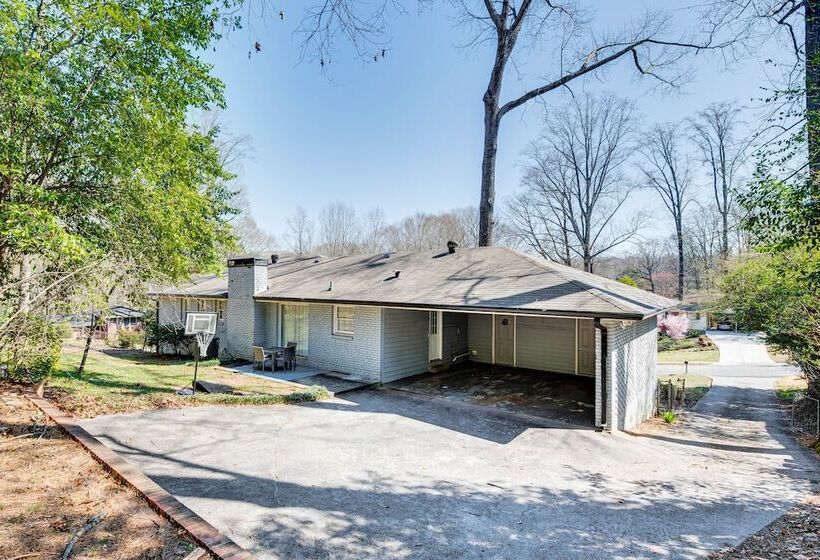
[(604, 350)]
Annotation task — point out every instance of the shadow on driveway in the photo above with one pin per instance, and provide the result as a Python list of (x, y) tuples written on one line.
[(379, 476)]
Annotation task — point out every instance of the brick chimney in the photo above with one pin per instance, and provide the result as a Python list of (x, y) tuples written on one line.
[(247, 276)]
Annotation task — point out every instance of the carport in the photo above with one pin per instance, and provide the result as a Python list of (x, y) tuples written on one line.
[(537, 365), (528, 393)]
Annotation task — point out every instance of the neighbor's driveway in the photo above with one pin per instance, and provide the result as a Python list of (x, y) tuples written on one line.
[(741, 349), (384, 476)]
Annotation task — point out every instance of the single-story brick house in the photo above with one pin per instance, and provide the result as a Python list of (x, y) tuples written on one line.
[(388, 316)]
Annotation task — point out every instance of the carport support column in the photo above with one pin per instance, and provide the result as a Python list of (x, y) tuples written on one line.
[(602, 376)]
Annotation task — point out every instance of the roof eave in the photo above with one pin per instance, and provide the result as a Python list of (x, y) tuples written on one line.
[(187, 295), (465, 308)]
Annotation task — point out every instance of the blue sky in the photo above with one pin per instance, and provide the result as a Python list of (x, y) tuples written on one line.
[(405, 134)]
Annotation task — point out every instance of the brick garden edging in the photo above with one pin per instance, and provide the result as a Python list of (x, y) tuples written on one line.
[(203, 533)]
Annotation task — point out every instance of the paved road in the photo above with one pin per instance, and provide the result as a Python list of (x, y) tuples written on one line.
[(382, 476), (741, 355)]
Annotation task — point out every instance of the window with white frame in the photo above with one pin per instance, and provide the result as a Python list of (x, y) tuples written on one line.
[(343, 320)]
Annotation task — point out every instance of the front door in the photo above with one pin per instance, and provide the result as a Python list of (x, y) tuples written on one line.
[(504, 340), (435, 330)]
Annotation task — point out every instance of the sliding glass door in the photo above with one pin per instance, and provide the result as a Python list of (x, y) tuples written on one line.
[(295, 327)]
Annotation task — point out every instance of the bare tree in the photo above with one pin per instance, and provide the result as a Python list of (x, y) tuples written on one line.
[(512, 28), (540, 224), (715, 131), (373, 238), (666, 170), (703, 246), (467, 218), (427, 232), (338, 230), (233, 150), (300, 232), (574, 180), (649, 260)]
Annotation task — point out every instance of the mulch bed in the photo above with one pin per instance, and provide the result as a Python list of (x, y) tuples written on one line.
[(52, 489), (794, 536)]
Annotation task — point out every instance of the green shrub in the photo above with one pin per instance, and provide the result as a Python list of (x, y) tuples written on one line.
[(628, 280), (30, 349), (694, 333), (669, 417), (666, 342), (225, 358), (165, 336), (65, 330), (129, 338)]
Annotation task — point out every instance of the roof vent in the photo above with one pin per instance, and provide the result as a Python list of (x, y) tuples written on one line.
[(330, 288), (451, 247), (273, 258), (398, 273)]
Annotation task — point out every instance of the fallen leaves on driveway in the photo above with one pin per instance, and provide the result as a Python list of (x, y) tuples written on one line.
[(794, 536)]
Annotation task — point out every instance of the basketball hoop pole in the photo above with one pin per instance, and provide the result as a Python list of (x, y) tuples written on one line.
[(196, 367)]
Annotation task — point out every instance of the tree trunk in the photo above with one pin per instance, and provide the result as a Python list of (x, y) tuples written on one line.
[(725, 234), (487, 204), (679, 291), (88, 342), (492, 120), (812, 23)]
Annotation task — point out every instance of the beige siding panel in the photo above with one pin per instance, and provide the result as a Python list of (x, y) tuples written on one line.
[(546, 344), (404, 344), (454, 335), (480, 337)]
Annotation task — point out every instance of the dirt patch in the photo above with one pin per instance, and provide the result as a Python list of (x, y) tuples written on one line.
[(51, 488), (794, 536)]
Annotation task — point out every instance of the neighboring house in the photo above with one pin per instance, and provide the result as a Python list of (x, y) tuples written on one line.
[(698, 317), (108, 323), (394, 315)]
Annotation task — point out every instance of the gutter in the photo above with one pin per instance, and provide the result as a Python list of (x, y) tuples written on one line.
[(461, 308), (604, 388)]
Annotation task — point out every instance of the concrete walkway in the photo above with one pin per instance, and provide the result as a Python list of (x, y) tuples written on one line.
[(378, 475), (741, 349)]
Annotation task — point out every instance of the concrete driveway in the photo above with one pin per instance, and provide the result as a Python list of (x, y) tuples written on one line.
[(741, 349), (380, 475)]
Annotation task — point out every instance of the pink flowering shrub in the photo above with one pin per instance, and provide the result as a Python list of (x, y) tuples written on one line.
[(674, 326)]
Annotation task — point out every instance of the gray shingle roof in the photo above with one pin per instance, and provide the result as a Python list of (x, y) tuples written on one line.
[(206, 286), (486, 278)]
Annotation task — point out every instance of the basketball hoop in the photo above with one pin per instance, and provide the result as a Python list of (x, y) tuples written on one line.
[(203, 327)]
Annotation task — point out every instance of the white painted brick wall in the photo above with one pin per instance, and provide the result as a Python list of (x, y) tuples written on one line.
[(632, 357), (243, 314), (358, 355)]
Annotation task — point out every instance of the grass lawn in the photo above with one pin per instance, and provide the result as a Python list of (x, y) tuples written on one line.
[(118, 381), (786, 387), (691, 355), (689, 349), (696, 386)]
